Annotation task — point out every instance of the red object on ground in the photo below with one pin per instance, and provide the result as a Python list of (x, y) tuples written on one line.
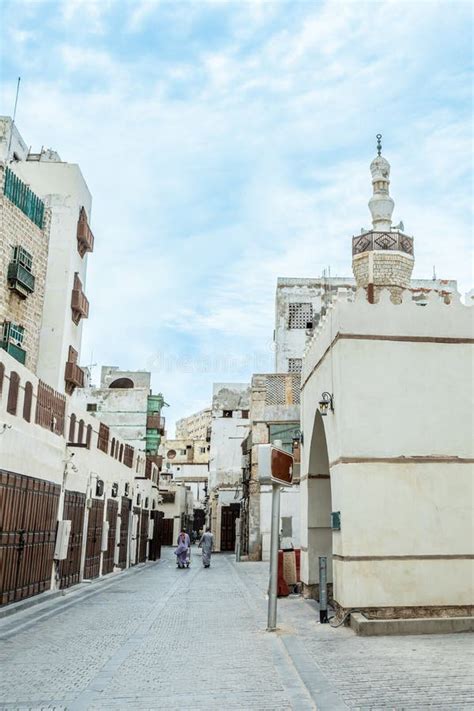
[(283, 590)]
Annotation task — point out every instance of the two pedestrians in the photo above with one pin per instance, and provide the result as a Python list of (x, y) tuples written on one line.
[(207, 544)]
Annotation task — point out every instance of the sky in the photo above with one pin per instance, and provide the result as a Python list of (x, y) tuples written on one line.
[(226, 144)]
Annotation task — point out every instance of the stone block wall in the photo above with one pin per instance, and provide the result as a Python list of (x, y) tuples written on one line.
[(384, 269), (16, 229)]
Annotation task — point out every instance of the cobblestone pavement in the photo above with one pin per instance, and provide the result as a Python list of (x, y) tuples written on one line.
[(195, 639)]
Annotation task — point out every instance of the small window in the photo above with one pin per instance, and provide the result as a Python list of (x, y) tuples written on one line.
[(12, 401), (72, 427), (182, 451), (227, 413), (27, 402), (300, 315), (245, 414), (91, 407), (295, 365), (202, 450)]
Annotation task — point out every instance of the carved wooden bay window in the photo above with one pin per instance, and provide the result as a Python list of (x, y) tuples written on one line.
[(85, 238), (73, 375), (79, 302)]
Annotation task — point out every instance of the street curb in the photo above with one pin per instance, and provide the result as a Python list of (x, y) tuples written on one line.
[(39, 608), (419, 625)]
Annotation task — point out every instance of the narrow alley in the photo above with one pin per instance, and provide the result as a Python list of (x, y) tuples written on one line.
[(161, 638)]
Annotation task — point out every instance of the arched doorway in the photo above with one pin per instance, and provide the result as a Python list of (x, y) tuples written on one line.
[(318, 507)]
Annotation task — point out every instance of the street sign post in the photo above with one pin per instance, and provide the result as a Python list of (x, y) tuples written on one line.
[(275, 466)]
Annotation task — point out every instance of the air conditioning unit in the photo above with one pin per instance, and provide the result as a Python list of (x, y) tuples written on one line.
[(62, 540)]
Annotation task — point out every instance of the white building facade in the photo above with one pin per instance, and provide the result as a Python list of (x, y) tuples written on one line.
[(382, 449)]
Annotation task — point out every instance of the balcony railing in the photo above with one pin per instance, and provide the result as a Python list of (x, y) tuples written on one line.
[(79, 305), (20, 279), (381, 241), (24, 198), (74, 375), (85, 238), (18, 353)]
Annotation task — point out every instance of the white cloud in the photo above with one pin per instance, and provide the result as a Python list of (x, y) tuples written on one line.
[(215, 172)]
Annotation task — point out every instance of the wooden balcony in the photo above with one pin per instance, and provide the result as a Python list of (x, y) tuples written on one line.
[(74, 376), (155, 422), (79, 305), (85, 238)]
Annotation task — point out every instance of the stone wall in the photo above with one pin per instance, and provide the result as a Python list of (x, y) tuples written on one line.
[(390, 270), (16, 229)]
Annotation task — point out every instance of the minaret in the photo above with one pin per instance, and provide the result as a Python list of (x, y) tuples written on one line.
[(383, 256)]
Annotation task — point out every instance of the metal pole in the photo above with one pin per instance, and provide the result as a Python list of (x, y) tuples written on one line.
[(273, 586), (323, 590)]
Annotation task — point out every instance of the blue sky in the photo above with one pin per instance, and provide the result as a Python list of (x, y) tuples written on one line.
[(226, 144)]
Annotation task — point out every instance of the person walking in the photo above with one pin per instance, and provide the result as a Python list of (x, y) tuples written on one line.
[(182, 550), (207, 545)]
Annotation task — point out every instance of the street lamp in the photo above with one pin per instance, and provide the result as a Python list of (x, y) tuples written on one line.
[(326, 403)]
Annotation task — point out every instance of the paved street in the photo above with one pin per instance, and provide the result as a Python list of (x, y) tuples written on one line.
[(164, 638)]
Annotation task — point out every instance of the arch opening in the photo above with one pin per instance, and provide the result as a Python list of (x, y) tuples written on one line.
[(122, 383)]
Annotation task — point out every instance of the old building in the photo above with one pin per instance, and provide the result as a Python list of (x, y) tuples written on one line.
[(73, 508), (54, 196), (177, 506), (125, 403), (229, 427), (24, 243), (194, 426), (386, 419), (187, 461), (300, 303), (274, 416)]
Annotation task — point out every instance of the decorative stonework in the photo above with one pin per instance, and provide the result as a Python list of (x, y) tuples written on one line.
[(382, 257)]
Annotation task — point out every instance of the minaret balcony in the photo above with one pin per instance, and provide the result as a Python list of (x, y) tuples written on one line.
[(373, 241)]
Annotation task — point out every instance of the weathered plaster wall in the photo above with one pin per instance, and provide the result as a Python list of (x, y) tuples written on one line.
[(125, 410)]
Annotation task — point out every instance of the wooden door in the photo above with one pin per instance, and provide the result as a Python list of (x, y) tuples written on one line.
[(135, 548), (124, 523), (28, 522), (74, 508), (142, 546), (112, 513), (229, 516), (155, 543), (94, 539), (167, 532)]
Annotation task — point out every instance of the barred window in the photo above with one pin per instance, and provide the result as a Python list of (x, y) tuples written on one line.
[(300, 315), (295, 365)]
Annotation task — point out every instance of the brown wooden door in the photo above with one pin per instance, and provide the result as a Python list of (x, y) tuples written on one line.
[(108, 561), (124, 523), (28, 521), (143, 537), (229, 515), (94, 539), (167, 532), (74, 508), (155, 543)]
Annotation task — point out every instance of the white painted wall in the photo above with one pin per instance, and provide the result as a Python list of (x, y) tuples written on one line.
[(400, 453), (290, 505), (291, 343), (63, 189)]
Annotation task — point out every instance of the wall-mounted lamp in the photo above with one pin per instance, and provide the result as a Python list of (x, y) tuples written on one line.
[(326, 403), (298, 437)]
